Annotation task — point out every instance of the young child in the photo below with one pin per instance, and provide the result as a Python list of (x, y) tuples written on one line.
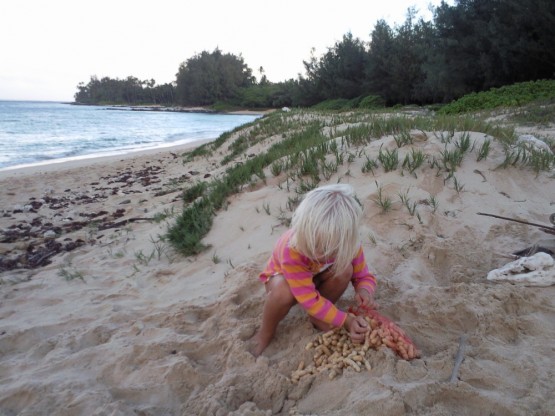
[(313, 263)]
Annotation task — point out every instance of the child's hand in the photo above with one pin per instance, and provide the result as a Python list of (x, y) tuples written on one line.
[(363, 298), (357, 327)]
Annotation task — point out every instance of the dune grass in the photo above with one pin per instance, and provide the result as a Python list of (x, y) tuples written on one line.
[(308, 147)]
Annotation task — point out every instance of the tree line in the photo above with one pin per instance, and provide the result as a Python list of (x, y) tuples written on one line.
[(471, 46), (131, 91)]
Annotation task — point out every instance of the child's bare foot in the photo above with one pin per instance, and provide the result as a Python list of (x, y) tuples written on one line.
[(258, 344)]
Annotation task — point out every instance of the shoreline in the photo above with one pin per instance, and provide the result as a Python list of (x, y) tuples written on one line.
[(176, 109), (61, 160), (65, 165)]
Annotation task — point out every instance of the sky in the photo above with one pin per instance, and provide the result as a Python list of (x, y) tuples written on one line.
[(48, 47)]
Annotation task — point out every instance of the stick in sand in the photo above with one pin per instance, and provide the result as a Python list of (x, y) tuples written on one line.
[(545, 228), (459, 358)]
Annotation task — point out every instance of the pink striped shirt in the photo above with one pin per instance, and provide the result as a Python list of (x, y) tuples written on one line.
[(299, 271)]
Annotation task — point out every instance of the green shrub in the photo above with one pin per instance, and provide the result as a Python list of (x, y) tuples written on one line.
[(337, 104), (371, 102), (194, 192), (507, 96)]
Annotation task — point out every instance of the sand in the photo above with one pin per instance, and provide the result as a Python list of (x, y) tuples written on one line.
[(124, 325)]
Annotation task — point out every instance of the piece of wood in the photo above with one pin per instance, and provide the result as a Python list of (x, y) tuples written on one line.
[(118, 224), (458, 358), (544, 228)]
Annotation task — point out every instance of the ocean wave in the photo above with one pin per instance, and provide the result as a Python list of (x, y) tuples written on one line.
[(48, 132)]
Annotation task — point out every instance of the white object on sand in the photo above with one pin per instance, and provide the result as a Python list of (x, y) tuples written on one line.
[(534, 142), (536, 270)]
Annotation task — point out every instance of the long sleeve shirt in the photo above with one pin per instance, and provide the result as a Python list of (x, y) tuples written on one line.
[(299, 270)]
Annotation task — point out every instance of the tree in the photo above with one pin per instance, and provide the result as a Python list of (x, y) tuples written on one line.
[(490, 43), (209, 77), (380, 60), (340, 73), (395, 60), (263, 78)]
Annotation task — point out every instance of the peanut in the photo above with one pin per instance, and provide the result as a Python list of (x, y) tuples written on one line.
[(352, 364), (334, 350), (367, 364)]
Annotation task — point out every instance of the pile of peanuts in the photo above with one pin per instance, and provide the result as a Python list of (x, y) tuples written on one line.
[(334, 350)]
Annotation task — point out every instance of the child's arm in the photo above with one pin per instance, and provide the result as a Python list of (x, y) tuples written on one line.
[(298, 275), (362, 279)]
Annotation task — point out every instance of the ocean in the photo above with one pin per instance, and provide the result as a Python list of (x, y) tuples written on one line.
[(34, 133)]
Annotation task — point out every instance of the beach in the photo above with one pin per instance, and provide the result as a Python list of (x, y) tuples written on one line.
[(114, 321)]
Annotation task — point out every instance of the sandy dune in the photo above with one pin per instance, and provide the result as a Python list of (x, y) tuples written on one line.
[(123, 325)]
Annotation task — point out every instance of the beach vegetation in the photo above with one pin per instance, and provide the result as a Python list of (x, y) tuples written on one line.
[(69, 273), (369, 165), (215, 258), (483, 151), (309, 147), (405, 200), (277, 167), (527, 155), (389, 159), (205, 149), (458, 186), (403, 138), (283, 218), (445, 136), (195, 191), (371, 102), (117, 255), (463, 143), (143, 258), (160, 248), (433, 202), (266, 207), (506, 96), (338, 104), (328, 169), (164, 215), (209, 77), (541, 112), (293, 202), (419, 217), (451, 159), (358, 135), (413, 160), (447, 64), (128, 91), (383, 200)]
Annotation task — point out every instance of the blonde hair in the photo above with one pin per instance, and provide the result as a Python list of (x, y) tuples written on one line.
[(326, 225)]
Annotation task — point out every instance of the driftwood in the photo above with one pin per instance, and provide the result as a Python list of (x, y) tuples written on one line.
[(122, 223), (545, 228), (458, 358)]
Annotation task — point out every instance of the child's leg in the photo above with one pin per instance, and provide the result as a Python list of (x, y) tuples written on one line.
[(331, 287), (279, 301)]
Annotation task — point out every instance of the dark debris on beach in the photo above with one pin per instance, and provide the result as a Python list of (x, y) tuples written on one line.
[(45, 227)]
